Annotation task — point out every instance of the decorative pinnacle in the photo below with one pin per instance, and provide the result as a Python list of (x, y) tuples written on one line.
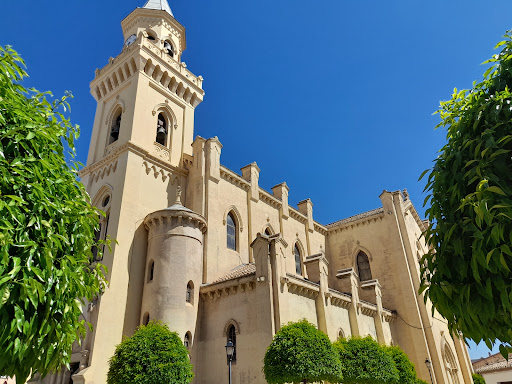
[(178, 196)]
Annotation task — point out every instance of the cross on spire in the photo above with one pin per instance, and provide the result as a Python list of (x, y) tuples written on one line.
[(161, 5)]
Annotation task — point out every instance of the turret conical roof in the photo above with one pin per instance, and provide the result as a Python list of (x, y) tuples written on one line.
[(161, 5)]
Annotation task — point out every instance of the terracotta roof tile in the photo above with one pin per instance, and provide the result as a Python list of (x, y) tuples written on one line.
[(238, 272), (357, 217)]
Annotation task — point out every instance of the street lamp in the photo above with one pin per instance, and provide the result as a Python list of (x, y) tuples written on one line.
[(230, 350), (429, 366)]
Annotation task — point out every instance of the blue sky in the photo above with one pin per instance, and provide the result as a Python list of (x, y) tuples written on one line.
[(334, 97)]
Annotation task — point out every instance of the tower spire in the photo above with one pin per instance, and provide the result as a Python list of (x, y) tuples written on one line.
[(161, 5)]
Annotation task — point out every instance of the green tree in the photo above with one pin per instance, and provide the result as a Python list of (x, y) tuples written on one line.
[(47, 229), (365, 361), (406, 371), (299, 353), (153, 355), (477, 379), (467, 272)]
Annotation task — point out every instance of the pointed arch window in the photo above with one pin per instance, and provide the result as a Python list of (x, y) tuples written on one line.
[(363, 267), (231, 335), (298, 263), (161, 130), (231, 231), (267, 231), (115, 127)]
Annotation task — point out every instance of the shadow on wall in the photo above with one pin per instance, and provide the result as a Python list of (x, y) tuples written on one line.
[(136, 265)]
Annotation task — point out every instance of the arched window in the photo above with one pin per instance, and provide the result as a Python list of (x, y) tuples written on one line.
[(115, 127), (168, 48), (341, 334), (267, 231), (451, 365), (231, 335), (363, 267), (161, 130), (145, 319), (151, 271), (190, 292), (186, 340), (231, 231), (298, 264)]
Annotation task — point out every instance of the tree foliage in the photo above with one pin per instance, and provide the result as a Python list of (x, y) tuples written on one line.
[(467, 272), (301, 353), (365, 361), (47, 229), (406, 371), (153, 355), (477, 379)]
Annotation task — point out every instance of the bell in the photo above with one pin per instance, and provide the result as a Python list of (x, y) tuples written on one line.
[(161, 133), (115, 132)]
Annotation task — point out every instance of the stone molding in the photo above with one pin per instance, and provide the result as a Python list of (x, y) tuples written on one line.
[(226, 288), (149, 159), (367, 309), (234, 179), (179, 216), (233, 208), (294, 214), (104, 171), (356, 220), (338, 299), (300, 287), (267, 198)]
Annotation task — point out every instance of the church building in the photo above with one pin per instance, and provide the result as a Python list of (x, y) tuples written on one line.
[(207, 251)]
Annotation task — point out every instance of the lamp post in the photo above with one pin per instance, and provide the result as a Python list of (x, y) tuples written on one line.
[(429, 366), (230, 350)]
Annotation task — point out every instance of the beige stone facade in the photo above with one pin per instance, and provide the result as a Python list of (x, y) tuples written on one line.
[(228, 259)]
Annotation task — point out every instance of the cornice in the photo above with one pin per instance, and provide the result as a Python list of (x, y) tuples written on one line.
[(339, 299), (267, 198), (389, 316), (134, 148), (336, 228), (367, 309), (234, 179), (294, 214), (166, 217), (300, 287), (226, 288)]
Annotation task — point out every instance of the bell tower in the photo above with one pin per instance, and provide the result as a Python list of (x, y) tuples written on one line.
[(140, 146), (146, 95)]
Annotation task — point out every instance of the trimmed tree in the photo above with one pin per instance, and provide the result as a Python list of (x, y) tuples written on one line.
[(153, 355), (47, 228), (477, 379), (467, 272), (406, 371), (300, 353), (365, 361)]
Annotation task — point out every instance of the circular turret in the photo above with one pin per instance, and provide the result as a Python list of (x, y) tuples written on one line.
[(173, 268)]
